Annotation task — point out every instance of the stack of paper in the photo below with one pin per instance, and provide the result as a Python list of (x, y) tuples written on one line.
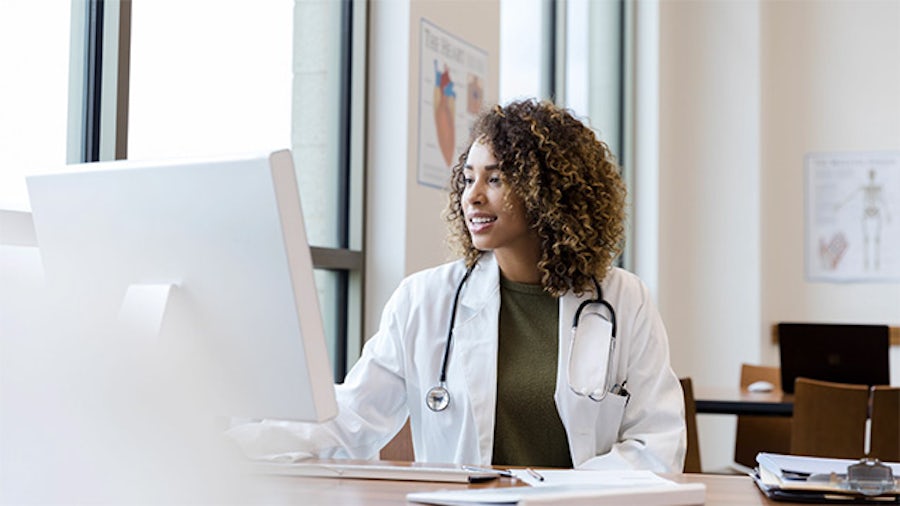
[(806, 479), (577, 487)]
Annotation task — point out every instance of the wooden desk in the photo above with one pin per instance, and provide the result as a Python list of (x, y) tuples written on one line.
[(734, 401), (721, 490)]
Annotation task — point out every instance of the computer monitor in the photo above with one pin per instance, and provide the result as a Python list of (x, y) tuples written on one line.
[(841, 353), (204, 263)]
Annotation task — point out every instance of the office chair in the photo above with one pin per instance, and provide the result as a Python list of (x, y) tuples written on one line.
[(829, 419), (760, 433), (692, 456), (885, 429), (400, 447)]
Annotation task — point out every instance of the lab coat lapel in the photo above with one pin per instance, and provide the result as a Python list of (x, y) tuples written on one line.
[(476, 346)]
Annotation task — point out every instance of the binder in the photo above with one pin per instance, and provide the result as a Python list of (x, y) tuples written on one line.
[(823, 480)]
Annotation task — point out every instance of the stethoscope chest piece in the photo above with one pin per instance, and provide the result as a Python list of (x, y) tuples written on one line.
[(438, 398)]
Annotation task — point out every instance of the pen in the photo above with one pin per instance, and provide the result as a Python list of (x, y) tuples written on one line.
[(475, 469), (534, 474)]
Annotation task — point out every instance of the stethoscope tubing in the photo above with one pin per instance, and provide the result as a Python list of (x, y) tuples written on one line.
[(440, 391), (599, 300), (459, 287)]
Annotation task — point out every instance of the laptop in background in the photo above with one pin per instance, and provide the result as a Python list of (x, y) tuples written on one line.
[(834, 352)]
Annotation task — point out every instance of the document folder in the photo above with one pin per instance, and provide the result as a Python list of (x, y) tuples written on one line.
[(813, 479)]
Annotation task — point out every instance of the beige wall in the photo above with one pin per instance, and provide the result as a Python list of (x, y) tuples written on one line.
[(747, 88), (404, 226)]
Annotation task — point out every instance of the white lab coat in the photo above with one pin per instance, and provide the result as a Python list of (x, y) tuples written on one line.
[(402, 361)]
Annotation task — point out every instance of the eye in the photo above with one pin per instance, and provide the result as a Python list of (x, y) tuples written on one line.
[(467, 180), (495, 179)]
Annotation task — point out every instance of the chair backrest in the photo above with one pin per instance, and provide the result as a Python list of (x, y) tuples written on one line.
[(829, 419), (400, 447), (751, 373), (692, 456), (759, 433), (885, 441)]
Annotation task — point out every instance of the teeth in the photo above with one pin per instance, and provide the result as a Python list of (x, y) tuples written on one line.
[(479, 221)]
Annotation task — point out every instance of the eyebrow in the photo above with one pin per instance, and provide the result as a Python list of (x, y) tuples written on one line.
[(493, 166)]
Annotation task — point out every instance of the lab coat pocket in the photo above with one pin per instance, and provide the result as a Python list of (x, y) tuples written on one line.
[(609, 420)]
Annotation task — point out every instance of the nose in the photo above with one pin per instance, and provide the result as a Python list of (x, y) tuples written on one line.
[(473, 194)]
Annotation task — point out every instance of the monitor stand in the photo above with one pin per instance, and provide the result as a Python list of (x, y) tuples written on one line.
[(143, 310)]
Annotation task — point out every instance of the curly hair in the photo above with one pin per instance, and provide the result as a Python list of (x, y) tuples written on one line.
[(569, 181)]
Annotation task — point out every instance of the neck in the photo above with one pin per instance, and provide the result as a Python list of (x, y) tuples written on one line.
[(519, 268)]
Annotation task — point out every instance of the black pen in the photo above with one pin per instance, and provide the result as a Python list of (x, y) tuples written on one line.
[(534, 474)]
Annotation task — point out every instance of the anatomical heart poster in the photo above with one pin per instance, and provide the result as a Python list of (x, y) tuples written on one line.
[(853, 217), (452, 81)]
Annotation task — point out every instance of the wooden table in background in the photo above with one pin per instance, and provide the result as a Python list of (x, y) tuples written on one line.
[(734, 401)]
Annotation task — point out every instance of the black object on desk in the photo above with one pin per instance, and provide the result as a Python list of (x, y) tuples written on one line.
[(856, 354)]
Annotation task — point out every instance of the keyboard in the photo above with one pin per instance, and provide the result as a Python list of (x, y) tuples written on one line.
[(381, 471)]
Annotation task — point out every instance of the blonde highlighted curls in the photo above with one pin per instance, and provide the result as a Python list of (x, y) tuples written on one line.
[(569, 181)]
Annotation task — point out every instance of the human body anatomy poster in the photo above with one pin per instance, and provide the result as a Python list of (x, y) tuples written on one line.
[(451, 94), (853, 217)]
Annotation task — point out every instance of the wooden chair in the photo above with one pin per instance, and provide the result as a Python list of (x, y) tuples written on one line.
[(692, 457), (829, 419), (885, 430), (760, 433), (400, 447)]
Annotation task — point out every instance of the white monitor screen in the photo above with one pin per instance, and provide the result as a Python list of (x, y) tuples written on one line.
[(203, 262)]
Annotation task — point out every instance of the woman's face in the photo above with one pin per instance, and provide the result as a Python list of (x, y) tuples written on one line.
[(495, 216)]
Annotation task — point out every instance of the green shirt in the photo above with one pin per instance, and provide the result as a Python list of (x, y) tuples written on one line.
[(528, 431)]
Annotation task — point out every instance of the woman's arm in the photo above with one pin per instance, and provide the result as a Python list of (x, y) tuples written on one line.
[(371, 404)]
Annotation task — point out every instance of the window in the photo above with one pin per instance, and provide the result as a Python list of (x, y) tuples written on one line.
[(33, 93), (570, 52), (525, 60), (594, 70), (209, 77)]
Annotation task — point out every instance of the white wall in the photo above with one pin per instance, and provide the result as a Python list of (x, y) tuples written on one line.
[(746, 89), (405, 231)]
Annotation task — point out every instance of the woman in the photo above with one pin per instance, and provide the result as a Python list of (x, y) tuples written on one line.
[(536, 210)]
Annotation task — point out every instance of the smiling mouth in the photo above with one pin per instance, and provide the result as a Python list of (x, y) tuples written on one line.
[(481, 224)]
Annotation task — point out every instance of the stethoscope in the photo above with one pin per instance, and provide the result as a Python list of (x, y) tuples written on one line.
[(438, 397)]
